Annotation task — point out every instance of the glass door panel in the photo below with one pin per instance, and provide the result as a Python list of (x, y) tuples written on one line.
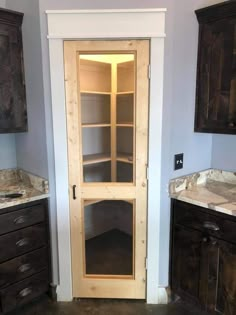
[(125, 109), (108, 237), (107, 119), (95, 109), (107, 107)]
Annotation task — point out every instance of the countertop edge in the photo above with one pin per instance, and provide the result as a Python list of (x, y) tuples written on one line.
[(17, 202), (211, 189), (202, 204)]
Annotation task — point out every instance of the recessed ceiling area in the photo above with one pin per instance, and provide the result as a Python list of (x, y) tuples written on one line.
[(108, 58)]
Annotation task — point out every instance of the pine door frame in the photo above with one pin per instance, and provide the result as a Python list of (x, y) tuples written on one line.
[(104, 286), (92, 24)]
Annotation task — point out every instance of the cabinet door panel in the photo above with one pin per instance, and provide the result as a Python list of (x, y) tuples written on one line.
[(186, 253), (216, 86), (13, 116), (208, 274), (197, 218), (226, 290)]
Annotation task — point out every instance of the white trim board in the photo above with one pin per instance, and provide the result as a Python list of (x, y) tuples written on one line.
[(106, 11), (122, 24), (94, 24)]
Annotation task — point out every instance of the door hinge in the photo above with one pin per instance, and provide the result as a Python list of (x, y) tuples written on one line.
[(147, 173), (146, 263), (149, 71)]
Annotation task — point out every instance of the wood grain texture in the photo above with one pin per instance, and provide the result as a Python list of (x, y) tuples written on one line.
[(226, 288), (120, 288), (24, 291), (25, 264), (21, 218), (13, 115), (207, 222), (203, 266), (215, 107), (186, 255)]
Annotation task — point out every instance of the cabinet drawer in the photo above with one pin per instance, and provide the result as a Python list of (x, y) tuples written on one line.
[(22, 267), (24, 291), (22, 241), (21, 218), (199, 219)]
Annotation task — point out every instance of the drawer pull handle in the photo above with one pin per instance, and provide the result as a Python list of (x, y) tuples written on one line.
[(25, 292), (22, 242), (20, 220), (211, 226), (24, 268)]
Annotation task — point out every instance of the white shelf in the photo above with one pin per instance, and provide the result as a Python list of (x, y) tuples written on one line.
[(95, 125), (96, 158), (95, 92)]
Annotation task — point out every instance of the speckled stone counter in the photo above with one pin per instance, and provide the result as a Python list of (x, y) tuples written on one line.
[(31, 187), (212, 189)]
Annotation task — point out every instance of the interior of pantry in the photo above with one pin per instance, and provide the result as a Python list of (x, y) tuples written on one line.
[(107, 95), (107, 118)]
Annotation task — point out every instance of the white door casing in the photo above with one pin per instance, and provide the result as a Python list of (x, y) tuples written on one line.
[(92, 24)]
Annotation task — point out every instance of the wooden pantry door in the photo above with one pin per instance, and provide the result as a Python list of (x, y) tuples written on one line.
[(107, 93)]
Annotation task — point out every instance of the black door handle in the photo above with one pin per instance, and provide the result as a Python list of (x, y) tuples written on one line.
[(74, 194)]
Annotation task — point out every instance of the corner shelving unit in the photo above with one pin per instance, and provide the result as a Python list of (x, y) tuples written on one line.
[(107, 119)]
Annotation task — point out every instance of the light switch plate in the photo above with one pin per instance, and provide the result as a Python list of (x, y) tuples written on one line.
[(178, 161)]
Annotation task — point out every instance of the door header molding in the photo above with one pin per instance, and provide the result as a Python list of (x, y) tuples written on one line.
[(67, 24), (106, 11)]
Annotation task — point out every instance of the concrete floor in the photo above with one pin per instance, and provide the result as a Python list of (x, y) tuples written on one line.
[(104, 307)]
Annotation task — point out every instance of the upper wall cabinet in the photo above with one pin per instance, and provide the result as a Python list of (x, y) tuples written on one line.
[(13, 116), (216, 73)]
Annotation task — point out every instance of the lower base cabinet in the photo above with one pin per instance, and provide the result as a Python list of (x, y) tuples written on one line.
[(203, 258), (25, 268)]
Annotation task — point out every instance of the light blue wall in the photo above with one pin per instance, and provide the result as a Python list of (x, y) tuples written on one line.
[(224, 152), (31, 147), (179, 104), (7, 151)]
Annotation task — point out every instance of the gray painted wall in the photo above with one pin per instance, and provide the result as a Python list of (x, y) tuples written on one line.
[(179, 104), (31, 147), (7, 142), (224, 152), (7, 151)]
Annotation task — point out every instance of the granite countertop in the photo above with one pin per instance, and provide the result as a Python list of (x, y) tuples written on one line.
[(212, 189), (13, 181)]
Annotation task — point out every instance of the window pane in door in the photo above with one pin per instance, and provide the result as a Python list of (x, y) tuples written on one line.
[(107, 108), (109, 237)]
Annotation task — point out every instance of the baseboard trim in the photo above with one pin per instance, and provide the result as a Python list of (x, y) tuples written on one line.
[(162, 295)]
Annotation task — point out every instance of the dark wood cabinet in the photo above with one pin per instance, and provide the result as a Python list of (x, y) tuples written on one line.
[(25, 271), (185, 276), (216, 71), (13, 114), (226, 286), (203, 258)]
